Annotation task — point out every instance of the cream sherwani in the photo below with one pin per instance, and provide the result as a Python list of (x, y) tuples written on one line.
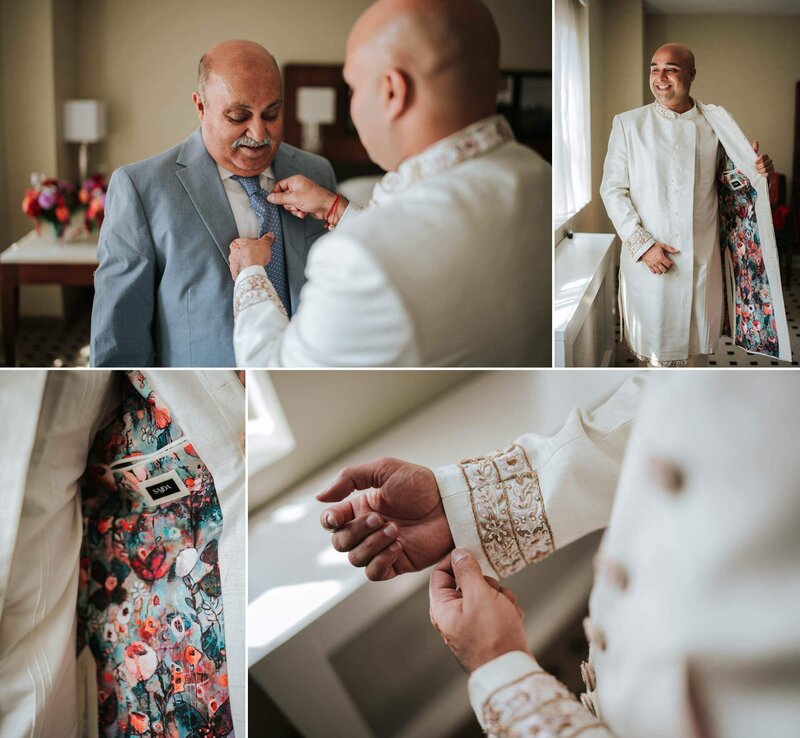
[(448, 266), (660, 183), (50, 421), (693, 627)]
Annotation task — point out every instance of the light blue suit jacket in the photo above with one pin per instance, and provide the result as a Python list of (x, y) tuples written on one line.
[(163, 290)]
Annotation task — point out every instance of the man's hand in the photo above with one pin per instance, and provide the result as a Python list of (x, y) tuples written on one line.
[(397, 526), (478, 619), (764, 164), (656, 257), (245, 252), (301, 197)]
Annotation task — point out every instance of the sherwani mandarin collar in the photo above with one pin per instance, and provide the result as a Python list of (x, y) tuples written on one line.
[(664, 112), (474, 140)]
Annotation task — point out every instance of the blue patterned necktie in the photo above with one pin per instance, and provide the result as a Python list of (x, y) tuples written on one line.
[(269, 219)]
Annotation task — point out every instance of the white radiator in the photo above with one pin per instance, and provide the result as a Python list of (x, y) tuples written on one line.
[(584, 301)]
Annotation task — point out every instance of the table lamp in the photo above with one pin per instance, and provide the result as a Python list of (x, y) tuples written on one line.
[(84, 123), (316, 106)]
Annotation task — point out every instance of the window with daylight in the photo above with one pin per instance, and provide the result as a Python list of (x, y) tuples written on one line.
[(571, 149), (269, 436)]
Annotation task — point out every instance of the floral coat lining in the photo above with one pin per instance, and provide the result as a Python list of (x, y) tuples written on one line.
[(150, 602), (755, 329)]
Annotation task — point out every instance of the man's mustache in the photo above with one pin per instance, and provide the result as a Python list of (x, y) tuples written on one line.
[(251, 143)]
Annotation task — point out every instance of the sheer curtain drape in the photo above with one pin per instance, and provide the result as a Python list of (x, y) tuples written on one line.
[(571, 166)]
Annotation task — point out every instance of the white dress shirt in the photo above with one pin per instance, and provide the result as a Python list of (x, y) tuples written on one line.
[(245, 217)]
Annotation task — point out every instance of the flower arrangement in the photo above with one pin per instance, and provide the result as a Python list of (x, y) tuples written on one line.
[(51, 200), (93, 197)]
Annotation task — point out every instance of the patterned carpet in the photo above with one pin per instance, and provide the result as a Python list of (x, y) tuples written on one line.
[(48, 342)]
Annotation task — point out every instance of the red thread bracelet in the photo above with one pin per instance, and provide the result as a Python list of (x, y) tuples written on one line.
[(328, 224)]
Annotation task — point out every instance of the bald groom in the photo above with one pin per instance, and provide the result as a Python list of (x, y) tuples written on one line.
[(450, 263), (163, 293)]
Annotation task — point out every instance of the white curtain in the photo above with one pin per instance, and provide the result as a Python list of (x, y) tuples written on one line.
[(571, 147)]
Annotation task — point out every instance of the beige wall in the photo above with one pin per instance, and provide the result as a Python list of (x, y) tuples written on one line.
[(748, 64), (28, 100), (616, 43), (331, 412), (142, 57), (37, 46)]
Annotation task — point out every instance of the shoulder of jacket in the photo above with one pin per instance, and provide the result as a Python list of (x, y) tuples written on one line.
[(305, 158), (635, 114), (166, 159)]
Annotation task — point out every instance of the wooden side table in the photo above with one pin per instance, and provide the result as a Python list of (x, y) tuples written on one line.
[(41, 259)]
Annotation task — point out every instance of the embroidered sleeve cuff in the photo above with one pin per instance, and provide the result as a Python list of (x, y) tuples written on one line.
[(505, 669), (253, 287), (502, 496), (457, 507), (530, 701), (638, 243)]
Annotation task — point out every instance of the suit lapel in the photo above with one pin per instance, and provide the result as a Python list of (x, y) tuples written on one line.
[(200, 178)]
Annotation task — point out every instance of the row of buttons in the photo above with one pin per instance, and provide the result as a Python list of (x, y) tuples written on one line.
[(669, 477)]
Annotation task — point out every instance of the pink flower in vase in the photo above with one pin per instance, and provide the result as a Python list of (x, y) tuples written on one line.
[(47, 198)]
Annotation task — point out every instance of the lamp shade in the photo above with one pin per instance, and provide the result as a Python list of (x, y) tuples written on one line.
[(84, 121), (316, 105)]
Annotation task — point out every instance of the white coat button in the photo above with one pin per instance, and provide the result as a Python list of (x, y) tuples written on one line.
[(587, 702), (588, 675), (594, 634), (666, 474), (613, 571)]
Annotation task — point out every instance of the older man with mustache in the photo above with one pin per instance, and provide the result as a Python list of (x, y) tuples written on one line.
[(163, 293)]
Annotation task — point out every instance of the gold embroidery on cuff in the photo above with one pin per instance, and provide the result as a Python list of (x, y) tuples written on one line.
[(508, 509), (639, 238), (536, 704), (253, 290)]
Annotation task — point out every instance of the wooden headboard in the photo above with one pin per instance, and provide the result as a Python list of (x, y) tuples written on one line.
[(525, 101)]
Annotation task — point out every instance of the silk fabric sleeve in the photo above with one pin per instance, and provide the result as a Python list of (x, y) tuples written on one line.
[(615, 190), (513, 696), (514, 507), (349, 314)]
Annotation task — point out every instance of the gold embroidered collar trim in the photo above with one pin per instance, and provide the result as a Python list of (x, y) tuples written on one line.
[(474, 140), (672, 115)]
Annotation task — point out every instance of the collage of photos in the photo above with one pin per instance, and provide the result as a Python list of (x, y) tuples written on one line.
[(400, 369)]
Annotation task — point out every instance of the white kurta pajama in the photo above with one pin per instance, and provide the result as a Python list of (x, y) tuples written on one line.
[(447, 266), (693, 627), (660, 183)]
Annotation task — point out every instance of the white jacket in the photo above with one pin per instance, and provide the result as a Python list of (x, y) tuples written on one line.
[(40, 532), (648, 194), (448, 266), (693, 626)]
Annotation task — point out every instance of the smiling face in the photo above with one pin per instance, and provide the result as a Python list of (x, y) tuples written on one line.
[(671, 75), (240, 105)]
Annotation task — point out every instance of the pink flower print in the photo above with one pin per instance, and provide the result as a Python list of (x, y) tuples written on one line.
[(140, 661)]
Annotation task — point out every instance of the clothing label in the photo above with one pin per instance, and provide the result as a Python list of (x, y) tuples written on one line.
[(163, 489)]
